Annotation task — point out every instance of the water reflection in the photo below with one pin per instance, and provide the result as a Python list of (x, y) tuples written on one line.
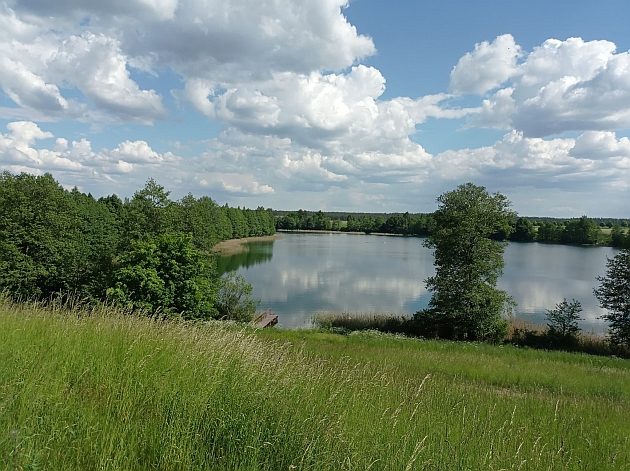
[(539, 276), (260, 252), (305, 273)]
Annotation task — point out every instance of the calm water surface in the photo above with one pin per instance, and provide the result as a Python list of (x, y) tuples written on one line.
[(301, 274)]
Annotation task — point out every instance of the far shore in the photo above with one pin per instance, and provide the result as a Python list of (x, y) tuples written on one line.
[(322, 231), (235, 246)]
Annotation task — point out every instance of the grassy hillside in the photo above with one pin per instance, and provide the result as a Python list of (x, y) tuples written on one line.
[(115, 392)]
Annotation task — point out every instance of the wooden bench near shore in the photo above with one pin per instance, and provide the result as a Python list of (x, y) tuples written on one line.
[(266, 319)]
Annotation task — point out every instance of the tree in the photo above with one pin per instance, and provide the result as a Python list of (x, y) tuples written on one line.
[(550, 232), (580, 231), (465, 302), (523, 230), (41, 243), (146, 215), (165, 273), (613, 294), (618, 238), (562, 321)]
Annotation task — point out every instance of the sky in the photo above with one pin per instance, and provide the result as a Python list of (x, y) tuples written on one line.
[(365, 105)]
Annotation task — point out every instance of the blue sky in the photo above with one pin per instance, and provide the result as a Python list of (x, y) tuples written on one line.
[(367, 106)]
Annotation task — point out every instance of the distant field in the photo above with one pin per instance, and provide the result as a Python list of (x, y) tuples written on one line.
[(115, 392)]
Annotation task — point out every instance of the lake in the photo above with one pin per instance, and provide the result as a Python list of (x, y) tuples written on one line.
[(301, 274)]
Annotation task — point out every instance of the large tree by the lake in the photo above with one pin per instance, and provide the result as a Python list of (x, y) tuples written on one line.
[(465, 302), (613, 294)]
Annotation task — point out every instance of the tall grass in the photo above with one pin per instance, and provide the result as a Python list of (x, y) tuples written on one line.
[(102, 390)]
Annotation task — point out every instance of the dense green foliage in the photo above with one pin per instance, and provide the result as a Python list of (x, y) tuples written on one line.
[(581, 231), (619, 238), (148, 252), (167, 274), (524, 231), (53, 240), (108, 392), (465, 303), (613, 294)]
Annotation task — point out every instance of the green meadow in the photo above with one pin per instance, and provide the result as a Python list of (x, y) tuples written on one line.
[(102, 390)]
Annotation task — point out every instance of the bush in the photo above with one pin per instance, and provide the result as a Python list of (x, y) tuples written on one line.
[(234, 300)]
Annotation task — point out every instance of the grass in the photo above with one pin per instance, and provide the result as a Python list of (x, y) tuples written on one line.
[(101, 390)]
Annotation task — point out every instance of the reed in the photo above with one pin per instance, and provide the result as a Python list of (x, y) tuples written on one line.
[(519, 332)]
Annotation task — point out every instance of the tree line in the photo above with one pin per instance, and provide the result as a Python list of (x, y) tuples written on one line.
[(577, 231), (406, 224), (147, 252)]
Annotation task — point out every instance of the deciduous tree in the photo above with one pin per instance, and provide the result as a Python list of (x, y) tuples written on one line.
[(562, 320), (465, 302)]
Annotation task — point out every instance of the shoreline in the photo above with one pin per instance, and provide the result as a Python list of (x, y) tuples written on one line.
[(323, 231), (236, 246)]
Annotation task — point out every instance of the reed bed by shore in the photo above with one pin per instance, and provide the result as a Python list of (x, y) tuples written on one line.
[(519, 332), (105, 390), (235, 246)]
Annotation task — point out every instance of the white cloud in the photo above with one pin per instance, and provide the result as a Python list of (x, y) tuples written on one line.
[(160, 9), (237, 40), (234, 184), (97, 67), (28, 89), (571, 85), (337, 115), (555, 59), (593, 161), (17, 151), (284, 80), (238, 165), (42, 60), (76, 163), (487, 66)]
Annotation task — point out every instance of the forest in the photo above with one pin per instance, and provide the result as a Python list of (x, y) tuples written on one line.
[(147, 252), (577, 231)]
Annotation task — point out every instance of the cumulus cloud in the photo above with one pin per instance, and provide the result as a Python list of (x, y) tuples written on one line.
[(160, 9), (487, 66), (284, 69), (298, 110), (593, 159), (335, 114), (129, 163), (28, 89), (244, 39), (40, 63), (570, 85), (238, 165), (98, 68)]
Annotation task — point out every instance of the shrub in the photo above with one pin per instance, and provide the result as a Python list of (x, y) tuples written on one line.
[(234, 299)]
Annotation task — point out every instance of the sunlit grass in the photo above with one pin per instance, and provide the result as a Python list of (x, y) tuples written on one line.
[(108, 391)]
